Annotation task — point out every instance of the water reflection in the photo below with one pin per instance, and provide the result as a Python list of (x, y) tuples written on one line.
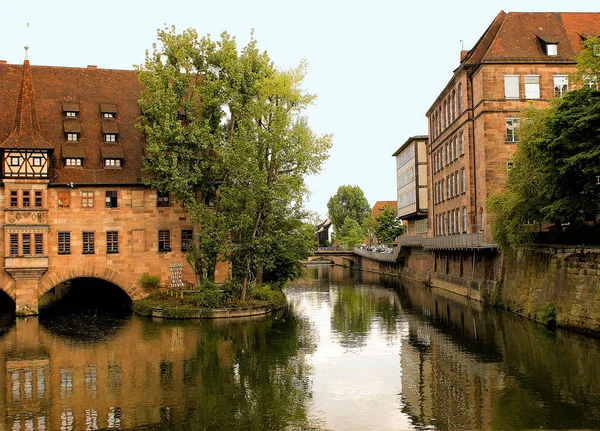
[(354, 351)]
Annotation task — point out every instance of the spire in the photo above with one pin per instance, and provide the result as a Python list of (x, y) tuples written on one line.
[(26, 134)]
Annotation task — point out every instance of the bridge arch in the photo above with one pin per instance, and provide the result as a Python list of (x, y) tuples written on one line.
[(10, 289), (52, 279)]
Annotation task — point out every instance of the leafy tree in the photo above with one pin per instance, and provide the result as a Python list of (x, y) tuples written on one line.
[(388, 226), (226, 123), (588, 63), (351, 234), (349, 201)]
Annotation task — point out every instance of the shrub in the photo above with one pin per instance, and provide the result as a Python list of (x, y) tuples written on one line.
[(547, 315), (149, 281), (274, 296), (209, 298), (142, 307)]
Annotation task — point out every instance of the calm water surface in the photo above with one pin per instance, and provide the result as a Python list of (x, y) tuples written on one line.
[(353, 352)]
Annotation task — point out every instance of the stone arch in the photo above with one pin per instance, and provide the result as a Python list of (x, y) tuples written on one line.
[(9, 289), (52, 279)]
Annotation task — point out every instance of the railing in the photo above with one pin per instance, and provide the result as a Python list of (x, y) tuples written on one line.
[(373, 255), (415, 240), (467, 240)]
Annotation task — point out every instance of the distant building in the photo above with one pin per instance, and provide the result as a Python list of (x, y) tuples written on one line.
[(72, 194), (324, 231), (411, 184)]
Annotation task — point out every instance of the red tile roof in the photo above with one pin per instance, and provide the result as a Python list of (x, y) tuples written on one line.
[(58, 89), (380, 205), (25, 133)]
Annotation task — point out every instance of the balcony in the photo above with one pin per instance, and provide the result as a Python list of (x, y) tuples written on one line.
[(27, 267)]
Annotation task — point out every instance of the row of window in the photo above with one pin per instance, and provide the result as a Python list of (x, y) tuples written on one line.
[(451, 187), (88, 240), (29, 198), (33, 198), (105, 115), (532, 86), (451, 222), (107, 137), (449, 153), (108, 163), (448, 111)]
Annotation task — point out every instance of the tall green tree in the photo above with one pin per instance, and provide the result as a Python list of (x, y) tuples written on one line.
[(349, 201), (227, 123), (388, 226)]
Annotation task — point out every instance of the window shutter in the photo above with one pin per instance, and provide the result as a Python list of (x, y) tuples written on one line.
[(532, 86), (511, 86)]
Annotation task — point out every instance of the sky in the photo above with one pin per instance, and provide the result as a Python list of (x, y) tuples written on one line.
[(375, 66)]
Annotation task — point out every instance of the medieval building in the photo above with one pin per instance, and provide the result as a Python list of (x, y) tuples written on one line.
[(72, 196)]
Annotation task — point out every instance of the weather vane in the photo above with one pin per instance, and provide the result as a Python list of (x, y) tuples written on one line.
[(27, 45)]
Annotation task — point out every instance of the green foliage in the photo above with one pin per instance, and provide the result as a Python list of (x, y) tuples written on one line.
[(388, 226), (149, 281), (351, 234), (349, 201), (588, 63), (274, 296), (547, 314), (247, 144)]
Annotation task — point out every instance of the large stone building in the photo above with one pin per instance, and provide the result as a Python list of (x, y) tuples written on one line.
[(521, 59), (72, 196)]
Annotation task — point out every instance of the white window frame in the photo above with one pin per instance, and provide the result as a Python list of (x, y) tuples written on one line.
[(511, 86), (532, 86), (512, 124), (73, 137), (561, 85), (552, 49)]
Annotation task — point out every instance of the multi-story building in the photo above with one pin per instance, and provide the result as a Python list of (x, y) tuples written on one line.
[(411, 184), (521, 59), (72, 194)]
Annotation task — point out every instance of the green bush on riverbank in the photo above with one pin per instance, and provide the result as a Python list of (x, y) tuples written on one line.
[(206, 300)]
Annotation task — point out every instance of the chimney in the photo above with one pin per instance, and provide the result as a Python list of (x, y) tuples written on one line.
[(463, 54), (2, 61), (92, 66)]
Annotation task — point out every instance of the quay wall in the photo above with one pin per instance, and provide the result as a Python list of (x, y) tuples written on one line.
[(523, 282)]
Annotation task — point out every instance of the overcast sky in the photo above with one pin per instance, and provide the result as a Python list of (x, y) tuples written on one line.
[(376, 66)]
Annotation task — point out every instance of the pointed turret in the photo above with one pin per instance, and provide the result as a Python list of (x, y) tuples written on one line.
[(25, 134)]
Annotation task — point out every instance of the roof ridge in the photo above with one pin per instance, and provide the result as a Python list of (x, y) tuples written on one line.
[(26, 134)]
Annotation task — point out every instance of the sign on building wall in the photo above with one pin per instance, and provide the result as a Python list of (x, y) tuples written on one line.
[(176, 275)]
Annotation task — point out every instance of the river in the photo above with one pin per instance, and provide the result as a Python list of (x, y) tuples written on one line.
[(354, 351)]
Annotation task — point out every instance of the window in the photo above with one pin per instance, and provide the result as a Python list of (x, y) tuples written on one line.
[(186, 239), (164, 240), (511, 86), (111, 199), (39, 243), (112, 241), (15, 161), (453, 105), (38, 198), (462, 143), (456, 184), (561, 85), (447, 155), (26, 200), (464, 219), (112, 163), (460, 98), (532, 86), (442, 193), (455, 148), (63, 199), (88, 242), (72, 137), (108, 115), (591, 81), (64, 243), (70, 114), (73, 162), (552, 49), (449, 191), (13, 198), (14, 244), (87, 199), (110, 137), (26, 243), (463, 175), (36, 161), (512, 124), (162, 199)]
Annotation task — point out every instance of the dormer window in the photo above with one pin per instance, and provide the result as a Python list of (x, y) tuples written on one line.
[(72, 137), (71, 109), (112, 163), (552, 49), (71, 114), (110, 137), (108, 110), (73, 162), (108, 115)]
